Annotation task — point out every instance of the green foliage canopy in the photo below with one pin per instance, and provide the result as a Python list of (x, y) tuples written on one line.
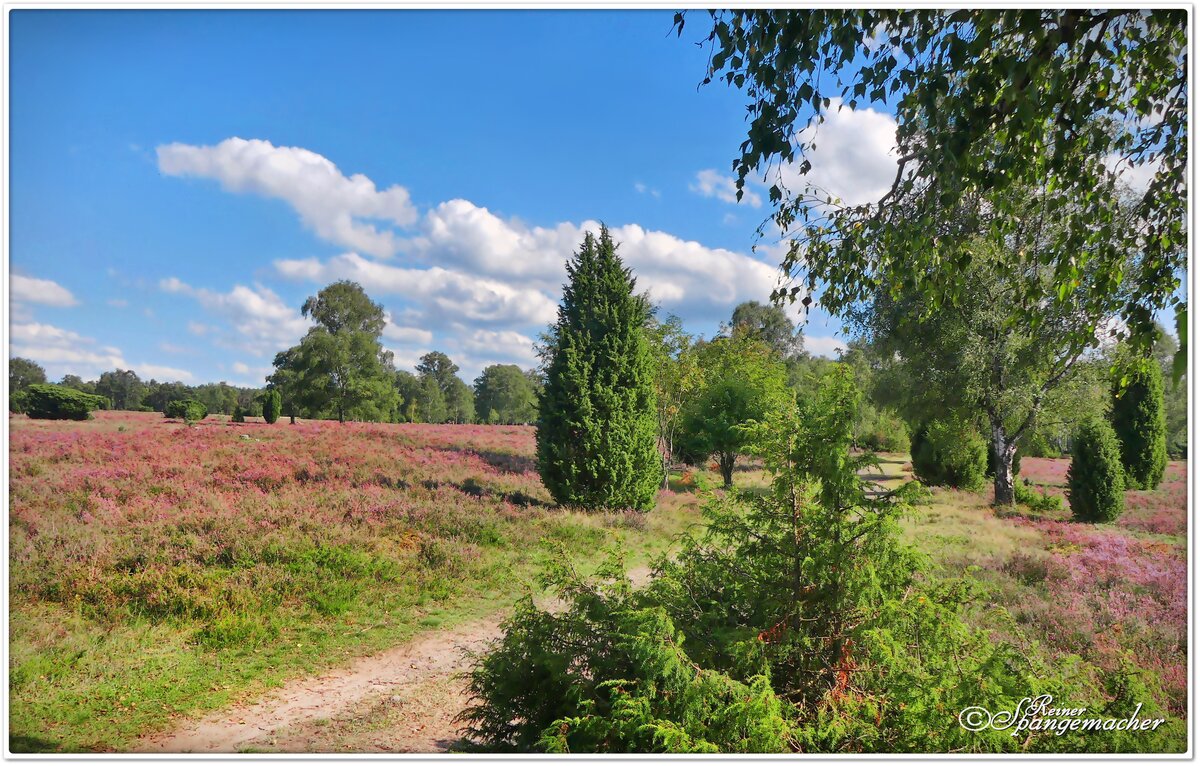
[(987, 102), (505, 394)]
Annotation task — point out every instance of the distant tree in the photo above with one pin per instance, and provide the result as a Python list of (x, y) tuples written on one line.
[(1175, 394), (159, 395), (440, 368), (597, 430), (286, 380), (460, 402), (743, 381), (340, 367), (408, 389), (123, 388), (23, 373), (454, 400), (677, 375), (504, 394), (430, 401), (1139, 421), (770, 324), (78, 383)]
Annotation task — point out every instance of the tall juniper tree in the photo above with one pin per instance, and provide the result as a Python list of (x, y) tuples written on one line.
[(596, 438)]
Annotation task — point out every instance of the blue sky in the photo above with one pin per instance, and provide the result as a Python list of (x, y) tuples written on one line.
[(182, 180)]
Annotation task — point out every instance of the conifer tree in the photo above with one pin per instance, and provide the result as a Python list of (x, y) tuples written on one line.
[(597, 428), (1140, 422)]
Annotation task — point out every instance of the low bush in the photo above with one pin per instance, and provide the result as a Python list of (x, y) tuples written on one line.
[(1096, 479), (186, 409), (239, 415), (1042, 502), (949, 453), (47, 401)]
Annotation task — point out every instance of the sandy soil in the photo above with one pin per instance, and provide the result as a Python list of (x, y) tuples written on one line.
[(402, 700)]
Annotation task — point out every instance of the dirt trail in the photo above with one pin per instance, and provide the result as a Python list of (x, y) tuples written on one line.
[(401, 700)]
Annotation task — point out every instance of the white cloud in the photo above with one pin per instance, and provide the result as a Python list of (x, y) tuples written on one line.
[(506, 345), (46, 292), (854, 159), (411, 336), (163, 373), (117, 303), (172, 348), (198, 328), (64, 352), (642, 188), (711, 183), (1137, 176), (827, 347), (445, 295), (332, 205), (262, 323)]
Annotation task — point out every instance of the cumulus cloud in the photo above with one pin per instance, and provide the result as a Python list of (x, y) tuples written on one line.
[(411, 336), (262, 323), (45, 292), (854, 159), (334, 206), (500, 346), (64, 352), (711, 183), (445, 295)]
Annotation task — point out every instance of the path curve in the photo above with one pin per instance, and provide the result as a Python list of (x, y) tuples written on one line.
[(421, 674)]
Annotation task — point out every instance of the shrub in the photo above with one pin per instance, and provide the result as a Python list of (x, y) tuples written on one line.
[(1042, 502), (50, 402), (272, 405), (186, 409), (949, 453), (1140, 423), (1096, 480), (239, 414), (597, 435)]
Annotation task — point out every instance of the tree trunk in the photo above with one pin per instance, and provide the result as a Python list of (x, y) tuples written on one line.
[(1005, 450), (726, 460)]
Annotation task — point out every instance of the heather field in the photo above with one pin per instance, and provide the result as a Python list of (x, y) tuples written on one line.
[(1106, 593), (159, 570)]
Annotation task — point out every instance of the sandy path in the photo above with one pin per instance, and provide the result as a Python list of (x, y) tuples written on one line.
[(412, 690)]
